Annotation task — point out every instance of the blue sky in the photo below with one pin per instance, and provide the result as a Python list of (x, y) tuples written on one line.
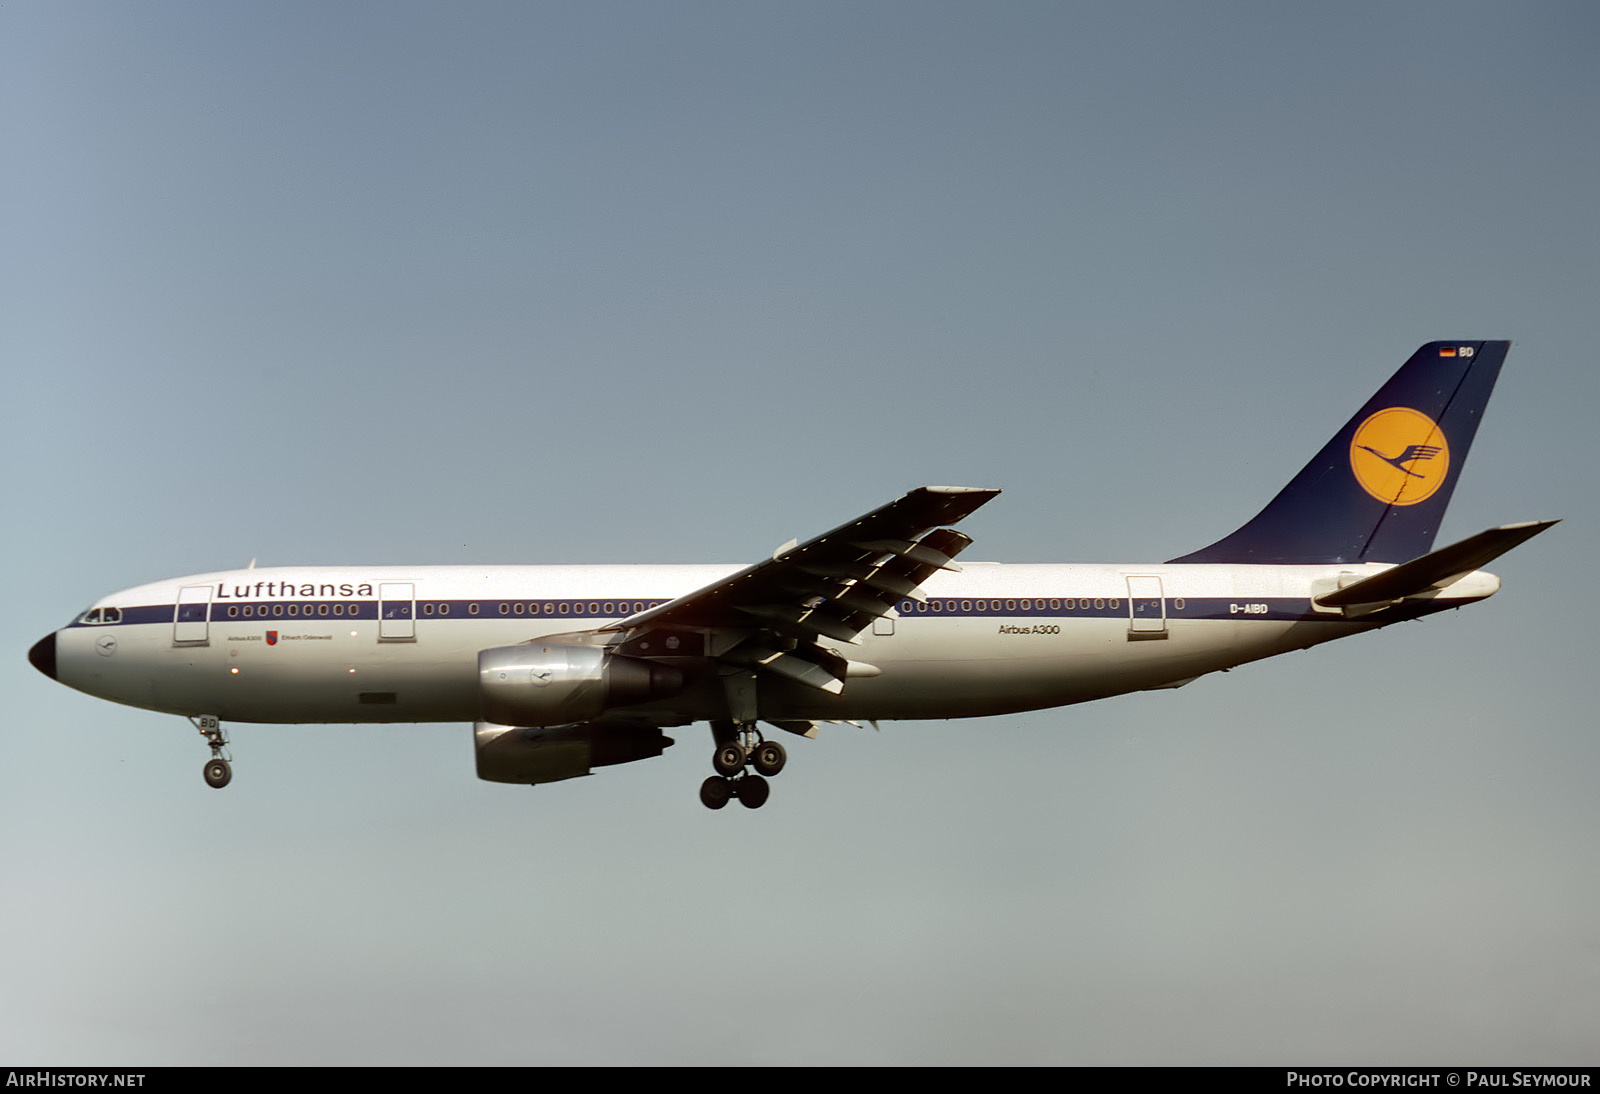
[(677, 282)]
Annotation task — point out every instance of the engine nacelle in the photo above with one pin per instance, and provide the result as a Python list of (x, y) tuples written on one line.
[(538, 685), (511, 754)]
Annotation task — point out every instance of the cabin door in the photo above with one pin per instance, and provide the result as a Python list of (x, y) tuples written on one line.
[(397, 611), (1147, 609), (189, 617)]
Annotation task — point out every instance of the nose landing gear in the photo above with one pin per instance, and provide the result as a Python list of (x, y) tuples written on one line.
[(218, 772)]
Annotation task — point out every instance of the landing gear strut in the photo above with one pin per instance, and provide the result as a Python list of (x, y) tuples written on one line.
[(740, 745), (218, 772)]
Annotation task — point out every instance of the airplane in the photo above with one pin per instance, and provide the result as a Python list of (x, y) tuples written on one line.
[(564, 669)]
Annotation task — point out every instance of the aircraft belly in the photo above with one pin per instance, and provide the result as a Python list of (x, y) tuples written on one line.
[(356, 683), (261, 675), (944, 670)]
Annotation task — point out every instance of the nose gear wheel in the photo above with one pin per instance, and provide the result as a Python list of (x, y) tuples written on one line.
[(218, 771)]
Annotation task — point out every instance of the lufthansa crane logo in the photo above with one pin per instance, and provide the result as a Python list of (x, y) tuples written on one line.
[(1400, 456)]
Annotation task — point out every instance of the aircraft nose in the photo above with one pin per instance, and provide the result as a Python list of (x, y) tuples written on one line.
[(43, 655)]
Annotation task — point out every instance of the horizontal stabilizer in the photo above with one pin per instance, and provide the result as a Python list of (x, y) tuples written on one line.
[(1436, 569)]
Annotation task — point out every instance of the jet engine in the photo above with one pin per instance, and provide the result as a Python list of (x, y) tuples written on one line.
[(534, 684), (509, 754)]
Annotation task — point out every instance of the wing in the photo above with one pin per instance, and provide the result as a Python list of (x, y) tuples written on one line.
[(773, 617)]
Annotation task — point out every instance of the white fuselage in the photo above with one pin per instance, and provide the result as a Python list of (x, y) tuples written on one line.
[(401, 644)]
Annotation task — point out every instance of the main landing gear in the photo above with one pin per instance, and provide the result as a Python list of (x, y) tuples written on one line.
[(739, 747), (218, 772)]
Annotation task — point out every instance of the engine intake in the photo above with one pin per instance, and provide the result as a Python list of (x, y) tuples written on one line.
[(538, 685)]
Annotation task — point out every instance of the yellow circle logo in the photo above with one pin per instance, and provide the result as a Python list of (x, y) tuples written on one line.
[(1399, 456)]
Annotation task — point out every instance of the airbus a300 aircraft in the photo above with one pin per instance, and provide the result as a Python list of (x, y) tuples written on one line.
[(568, 668)]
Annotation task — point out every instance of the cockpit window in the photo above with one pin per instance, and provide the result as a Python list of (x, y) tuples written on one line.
[(90, 616), (101, 615)]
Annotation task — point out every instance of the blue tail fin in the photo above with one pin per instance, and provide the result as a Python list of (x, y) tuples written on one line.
[(1378, 490)]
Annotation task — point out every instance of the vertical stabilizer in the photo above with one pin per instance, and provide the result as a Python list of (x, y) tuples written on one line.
[(1377, 491)]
